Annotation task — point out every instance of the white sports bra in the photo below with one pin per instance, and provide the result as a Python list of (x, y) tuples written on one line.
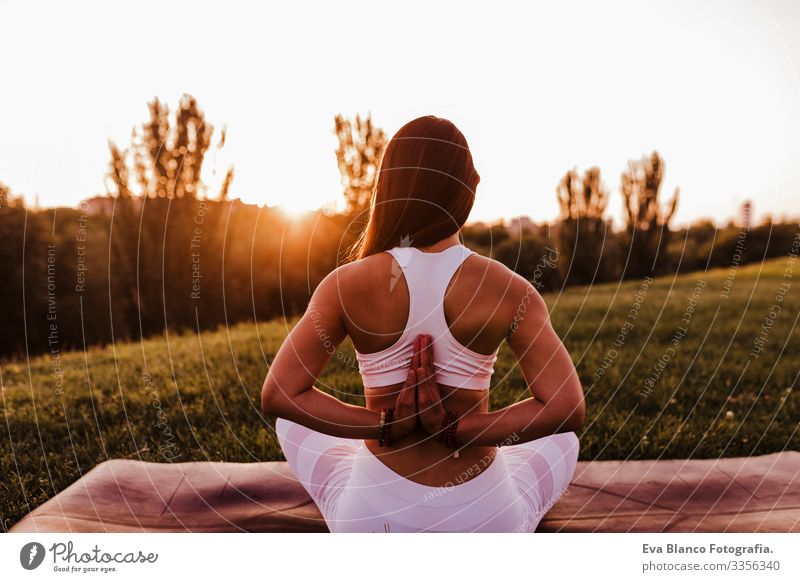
[(427, 276)]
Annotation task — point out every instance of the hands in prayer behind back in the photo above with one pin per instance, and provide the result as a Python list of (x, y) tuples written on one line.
[(419, 399)]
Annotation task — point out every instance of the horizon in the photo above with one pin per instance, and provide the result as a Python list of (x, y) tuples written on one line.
[(294, 215), (720, 108)]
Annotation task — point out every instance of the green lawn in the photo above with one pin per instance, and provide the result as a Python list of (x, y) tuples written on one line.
[(708, 396)]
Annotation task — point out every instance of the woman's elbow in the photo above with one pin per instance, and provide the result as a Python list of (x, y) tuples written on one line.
[(574, 412), (577, 416), (271, 398)]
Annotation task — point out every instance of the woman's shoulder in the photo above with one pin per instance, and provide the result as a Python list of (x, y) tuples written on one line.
[(495, 276), (489, 272), (363, 269), (481, 277), (358, 275), (491, 289)]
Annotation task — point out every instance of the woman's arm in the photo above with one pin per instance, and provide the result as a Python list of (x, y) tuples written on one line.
[(557, 404), (289, 391)]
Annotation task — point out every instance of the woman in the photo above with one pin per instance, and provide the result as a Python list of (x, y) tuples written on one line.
[(426, 317)]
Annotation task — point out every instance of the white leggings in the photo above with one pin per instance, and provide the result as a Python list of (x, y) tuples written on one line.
[(356, 492)]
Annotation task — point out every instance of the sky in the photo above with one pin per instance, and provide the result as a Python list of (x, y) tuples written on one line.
[(536, 89)]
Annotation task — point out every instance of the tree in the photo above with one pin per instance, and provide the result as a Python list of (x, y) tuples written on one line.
[(123, 236), (361, 147), (582, 228), (8, 200), (118, 172), (168, 154), (226, 184), (160, 206), (647, 222)]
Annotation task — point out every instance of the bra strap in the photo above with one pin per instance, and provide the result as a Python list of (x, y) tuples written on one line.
[(427, 277)]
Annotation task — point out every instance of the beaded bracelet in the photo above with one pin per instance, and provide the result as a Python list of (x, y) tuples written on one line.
[(387, 431), (447, 434), (385, 427), (381, 425)]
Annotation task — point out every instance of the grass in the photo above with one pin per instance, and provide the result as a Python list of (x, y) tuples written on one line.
[(199, 398)]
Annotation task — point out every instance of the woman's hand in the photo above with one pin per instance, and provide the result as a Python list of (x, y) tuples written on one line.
[(419, 399), (405, 409), (429, 400)]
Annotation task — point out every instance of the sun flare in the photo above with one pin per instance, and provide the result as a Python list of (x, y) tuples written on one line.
[(293, 210)]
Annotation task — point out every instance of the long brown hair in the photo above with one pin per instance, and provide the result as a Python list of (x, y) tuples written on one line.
[(425, 188)]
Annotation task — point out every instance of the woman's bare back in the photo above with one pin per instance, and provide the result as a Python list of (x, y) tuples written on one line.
[(478, 309)]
